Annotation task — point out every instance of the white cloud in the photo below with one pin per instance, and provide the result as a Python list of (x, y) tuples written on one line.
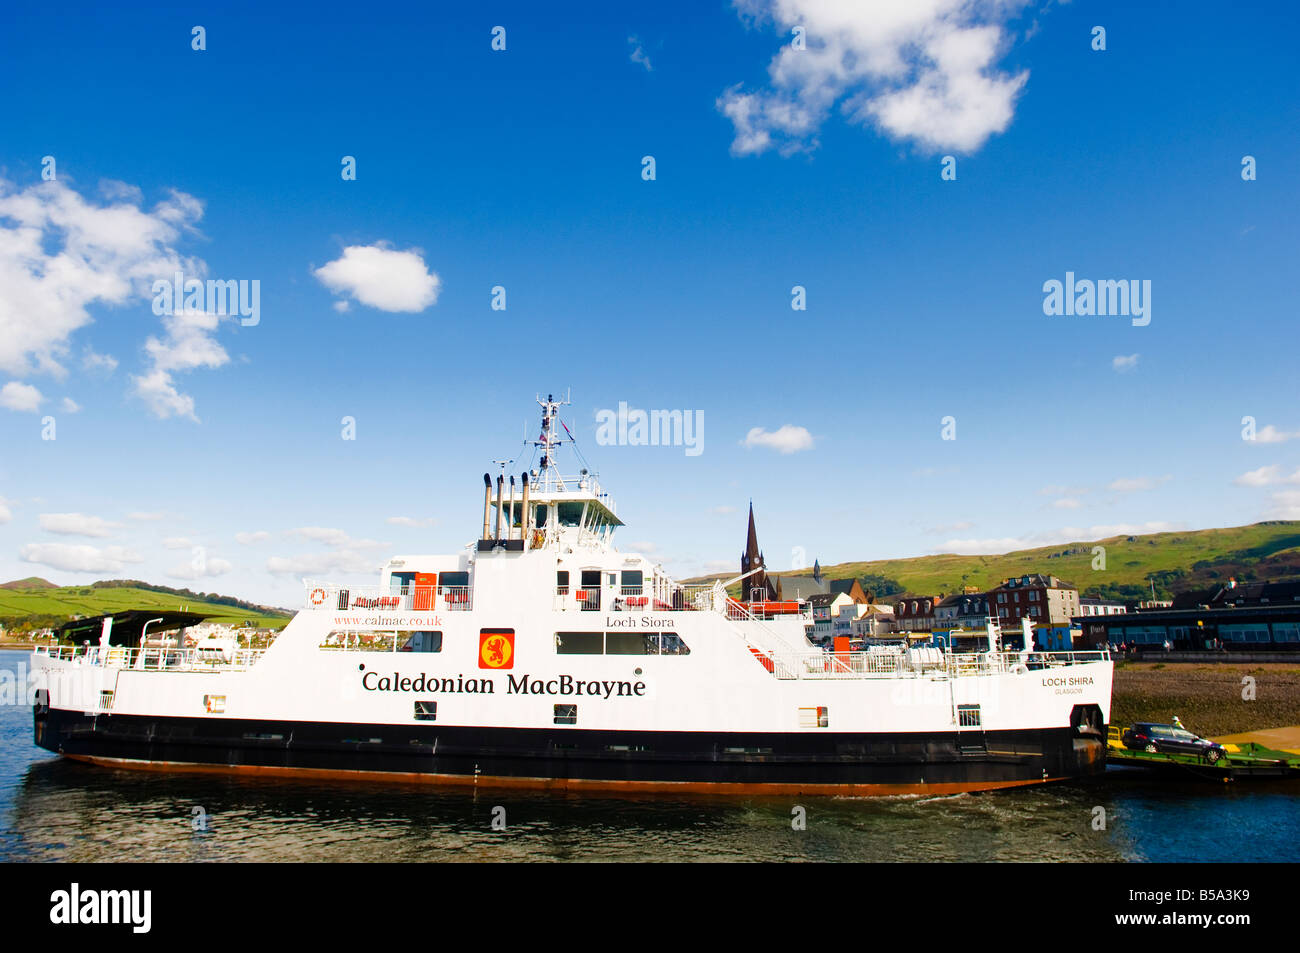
[(200, 569), (99, 362), (61, 253), (19, 396), (1067, 503), (1059, 490), (638, 54), (70, 406), (379, 277), (1286, 505), (177, 542), (78, 558), (787, 439), (723, 510), (5, 514), (343, 544), (1133, 484), (341, 561), (1122, 363), (146, 517), (249, 539), (188, 343), (77, 524), (321, 534), (923, 72), (1265, 476), (411, 522), (1270, 434)]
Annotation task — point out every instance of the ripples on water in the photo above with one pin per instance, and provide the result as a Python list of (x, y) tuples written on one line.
[(51, 809)]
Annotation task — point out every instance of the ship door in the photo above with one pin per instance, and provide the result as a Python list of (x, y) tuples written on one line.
[(589, 591), (426, 584), (970, 731)]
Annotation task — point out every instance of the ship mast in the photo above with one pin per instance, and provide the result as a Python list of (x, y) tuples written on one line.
[(547, 475)]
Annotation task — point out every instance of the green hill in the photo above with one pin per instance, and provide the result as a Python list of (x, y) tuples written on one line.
[(1178, 562), (24, 609), (31, 582)]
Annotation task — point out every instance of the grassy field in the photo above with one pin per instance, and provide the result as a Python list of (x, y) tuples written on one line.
[(1207, 698), (1180, 561), (63, 603)]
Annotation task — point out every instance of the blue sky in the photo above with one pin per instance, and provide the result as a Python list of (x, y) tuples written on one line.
[(522, 168)]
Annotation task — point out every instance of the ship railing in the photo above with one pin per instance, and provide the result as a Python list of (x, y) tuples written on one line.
[(892, 663), (411, 598), (155, 658)]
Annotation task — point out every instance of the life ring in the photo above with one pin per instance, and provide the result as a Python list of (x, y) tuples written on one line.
[(317, 596), (1020, 668)]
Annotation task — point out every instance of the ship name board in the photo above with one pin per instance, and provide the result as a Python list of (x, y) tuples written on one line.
[(560, 685), (1061, 682), (639, 622)]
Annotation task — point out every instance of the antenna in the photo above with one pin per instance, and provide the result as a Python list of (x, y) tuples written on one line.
[(547, 471), (503, 464)]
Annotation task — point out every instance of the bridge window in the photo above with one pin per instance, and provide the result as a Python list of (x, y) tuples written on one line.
[(569, 514)]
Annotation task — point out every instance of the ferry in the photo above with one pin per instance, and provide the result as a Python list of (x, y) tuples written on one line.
[(543, 656)]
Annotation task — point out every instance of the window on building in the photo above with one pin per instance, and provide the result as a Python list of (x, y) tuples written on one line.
[(1286, 631), (1245, 632)]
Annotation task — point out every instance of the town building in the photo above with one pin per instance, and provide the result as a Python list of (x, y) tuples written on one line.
[(968, 609), (915, 613), (1094, 605), (1256, 617), (826, 608), (1045, 599)]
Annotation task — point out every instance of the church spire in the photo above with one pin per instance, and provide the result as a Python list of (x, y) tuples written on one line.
[(752, 558)]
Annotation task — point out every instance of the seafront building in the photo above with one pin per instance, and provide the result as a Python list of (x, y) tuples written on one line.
[(1260, 617)]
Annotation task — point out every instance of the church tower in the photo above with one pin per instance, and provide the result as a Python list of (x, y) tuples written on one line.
[(756, 587)]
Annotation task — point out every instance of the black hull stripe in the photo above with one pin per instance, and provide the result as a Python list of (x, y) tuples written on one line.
[(570, 757)]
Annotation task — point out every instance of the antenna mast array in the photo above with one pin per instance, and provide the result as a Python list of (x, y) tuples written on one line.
[(547, 475)]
